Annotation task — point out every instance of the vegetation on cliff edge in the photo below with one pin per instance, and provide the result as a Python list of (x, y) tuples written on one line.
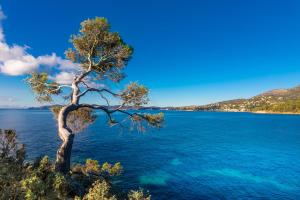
[(39, 179)]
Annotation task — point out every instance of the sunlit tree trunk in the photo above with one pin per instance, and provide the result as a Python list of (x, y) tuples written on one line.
[(63, 155)]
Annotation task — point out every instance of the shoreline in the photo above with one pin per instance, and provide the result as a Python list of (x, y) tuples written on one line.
[(253, 112), (235, 111), (276, 113), (260, 112)]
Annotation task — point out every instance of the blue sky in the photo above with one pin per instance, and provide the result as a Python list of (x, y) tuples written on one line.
[(187, 52)]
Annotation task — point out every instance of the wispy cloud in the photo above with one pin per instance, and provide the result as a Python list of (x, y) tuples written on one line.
[(7, 99), (15, 60), (63, 77)]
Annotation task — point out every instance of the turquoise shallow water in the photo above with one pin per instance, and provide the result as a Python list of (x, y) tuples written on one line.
[(198, 155)]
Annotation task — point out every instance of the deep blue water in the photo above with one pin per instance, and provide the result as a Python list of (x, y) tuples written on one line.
[(197, 155)]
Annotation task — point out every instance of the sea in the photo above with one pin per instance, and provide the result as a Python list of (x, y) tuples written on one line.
[(195, 155)]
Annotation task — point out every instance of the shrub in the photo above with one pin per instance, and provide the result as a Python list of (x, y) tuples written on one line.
[(39, 180), (138, 195), (99, 191)]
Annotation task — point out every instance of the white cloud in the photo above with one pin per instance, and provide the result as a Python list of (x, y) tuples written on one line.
[(67, 78), (15, 60), (48, 60), (67, 65), (15, 67), (64, 77)]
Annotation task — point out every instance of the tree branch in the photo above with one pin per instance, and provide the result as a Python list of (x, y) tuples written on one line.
[(97, 90), (50, 85), (128, 113), (97, 107), (84, 74)]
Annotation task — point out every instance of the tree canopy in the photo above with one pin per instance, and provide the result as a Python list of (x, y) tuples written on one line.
[(100, 56)]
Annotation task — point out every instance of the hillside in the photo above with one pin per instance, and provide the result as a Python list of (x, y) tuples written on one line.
[(277, 101)]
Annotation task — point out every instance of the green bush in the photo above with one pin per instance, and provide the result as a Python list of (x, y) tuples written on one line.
[(138, 195), (39, 180)]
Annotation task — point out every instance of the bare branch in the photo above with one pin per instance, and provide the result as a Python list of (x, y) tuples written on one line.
[(98, 107), (43, 87), (85, 84), (127, 113), (50, 84), (103, 97), (84, 74), (154, 120), (97, 90)]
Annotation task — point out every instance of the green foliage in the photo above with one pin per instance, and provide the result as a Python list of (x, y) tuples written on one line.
[(99, 191), (55, 110), (101, 55), (42, 87), (9, 149), (11, 165), (39, 180), (33, 187), (138, 195), (92, 167), (77, 120), (155, 120), (152, 120), (27, 181), (292, 106), (44, 166), (60, 185), (135, 95), (105, 49), (112, 170)]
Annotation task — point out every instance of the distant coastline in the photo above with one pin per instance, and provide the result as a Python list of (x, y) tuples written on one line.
[(172, 109), (277, 113), (253, 112), (279, 101)]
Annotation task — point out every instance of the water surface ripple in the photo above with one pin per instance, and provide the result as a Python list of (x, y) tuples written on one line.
[(198, 155)]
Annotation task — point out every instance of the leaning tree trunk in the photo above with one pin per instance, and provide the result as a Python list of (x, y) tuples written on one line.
[(63, 155)]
